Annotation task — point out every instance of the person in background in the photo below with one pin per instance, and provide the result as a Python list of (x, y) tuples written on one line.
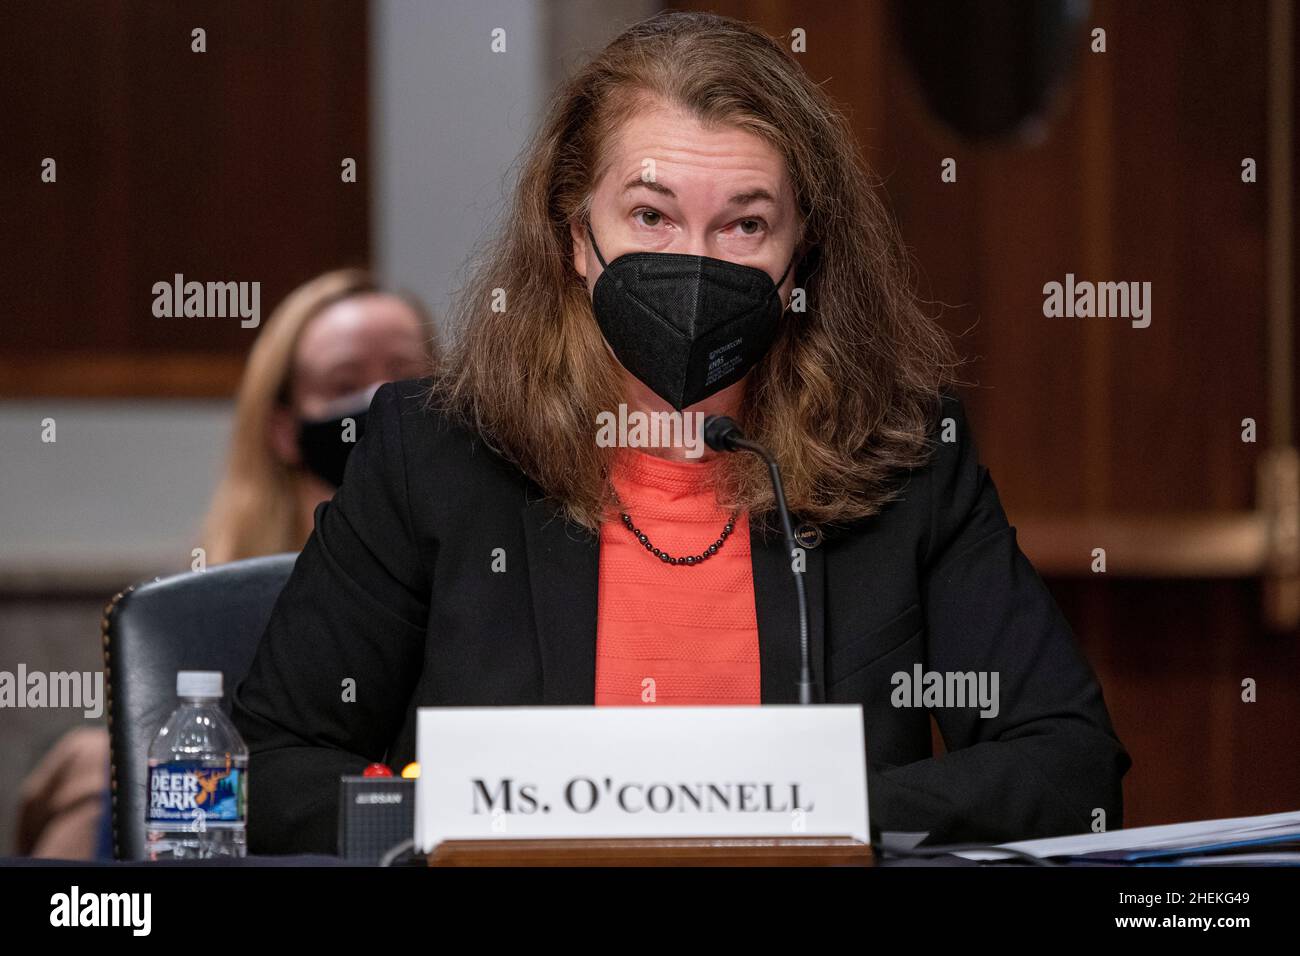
[(320, 356)]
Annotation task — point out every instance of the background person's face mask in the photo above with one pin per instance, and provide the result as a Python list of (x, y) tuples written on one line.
[(686, 326), (322, 441)]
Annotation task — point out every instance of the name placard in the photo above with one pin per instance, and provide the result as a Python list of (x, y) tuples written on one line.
[(607, 772)]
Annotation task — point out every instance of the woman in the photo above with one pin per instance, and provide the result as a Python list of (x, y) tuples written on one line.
[(691, 231), (329, 341)]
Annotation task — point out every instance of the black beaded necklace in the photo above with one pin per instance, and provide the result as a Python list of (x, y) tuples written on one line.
[(691, 559)]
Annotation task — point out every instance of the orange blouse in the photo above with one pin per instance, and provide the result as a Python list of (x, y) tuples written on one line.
[(670, 634)]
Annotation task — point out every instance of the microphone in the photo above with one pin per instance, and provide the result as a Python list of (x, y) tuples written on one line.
[(723, 434)]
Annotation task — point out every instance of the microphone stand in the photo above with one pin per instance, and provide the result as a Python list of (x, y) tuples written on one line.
[(723, 434)]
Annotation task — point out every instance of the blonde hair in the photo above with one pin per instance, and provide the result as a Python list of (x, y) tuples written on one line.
[(255, 508), (848, 394)]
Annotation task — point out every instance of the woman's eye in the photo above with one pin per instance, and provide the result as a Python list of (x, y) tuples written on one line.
[(751, 227), (647, 217)]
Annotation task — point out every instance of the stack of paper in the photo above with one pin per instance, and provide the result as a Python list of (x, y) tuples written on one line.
[(1201, 843)]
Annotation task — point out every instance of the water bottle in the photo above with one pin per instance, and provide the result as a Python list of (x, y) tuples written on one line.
[(198, 783)]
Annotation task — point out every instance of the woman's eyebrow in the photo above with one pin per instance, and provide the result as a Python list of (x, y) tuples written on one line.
[(758, 194), (649, 184)]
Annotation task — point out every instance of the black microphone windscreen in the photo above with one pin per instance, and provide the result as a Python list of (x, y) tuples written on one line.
[(719, 431)]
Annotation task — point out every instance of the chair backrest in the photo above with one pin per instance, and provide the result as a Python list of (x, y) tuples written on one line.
[(205, 620)]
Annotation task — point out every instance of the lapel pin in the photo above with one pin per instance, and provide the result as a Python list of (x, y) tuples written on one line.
[(808, 535)]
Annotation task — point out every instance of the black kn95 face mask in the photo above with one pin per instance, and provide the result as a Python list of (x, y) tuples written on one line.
[(686, 326)]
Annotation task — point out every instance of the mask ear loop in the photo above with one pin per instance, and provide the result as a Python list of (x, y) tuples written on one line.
[(781, 280), (592, 236)]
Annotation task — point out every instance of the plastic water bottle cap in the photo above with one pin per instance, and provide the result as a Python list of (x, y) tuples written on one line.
[(198, 684)]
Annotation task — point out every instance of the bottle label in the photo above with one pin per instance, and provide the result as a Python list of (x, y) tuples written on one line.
[(192, 795)]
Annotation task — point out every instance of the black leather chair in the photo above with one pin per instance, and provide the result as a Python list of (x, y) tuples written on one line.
[(205, 620)]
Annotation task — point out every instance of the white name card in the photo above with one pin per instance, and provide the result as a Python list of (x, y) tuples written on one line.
[(498, 773)]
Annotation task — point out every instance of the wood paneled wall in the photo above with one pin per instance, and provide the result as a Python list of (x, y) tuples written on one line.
[(221, 166)]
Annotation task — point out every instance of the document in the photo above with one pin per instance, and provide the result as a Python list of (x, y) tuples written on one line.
[(1132, 844)]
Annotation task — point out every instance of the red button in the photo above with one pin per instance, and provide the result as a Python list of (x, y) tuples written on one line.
[(377, 770)]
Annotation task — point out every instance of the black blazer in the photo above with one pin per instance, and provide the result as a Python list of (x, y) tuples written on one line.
[(395, 590)]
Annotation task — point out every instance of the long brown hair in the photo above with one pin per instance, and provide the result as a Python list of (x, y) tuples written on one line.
[(255, 508), (849, 393)]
